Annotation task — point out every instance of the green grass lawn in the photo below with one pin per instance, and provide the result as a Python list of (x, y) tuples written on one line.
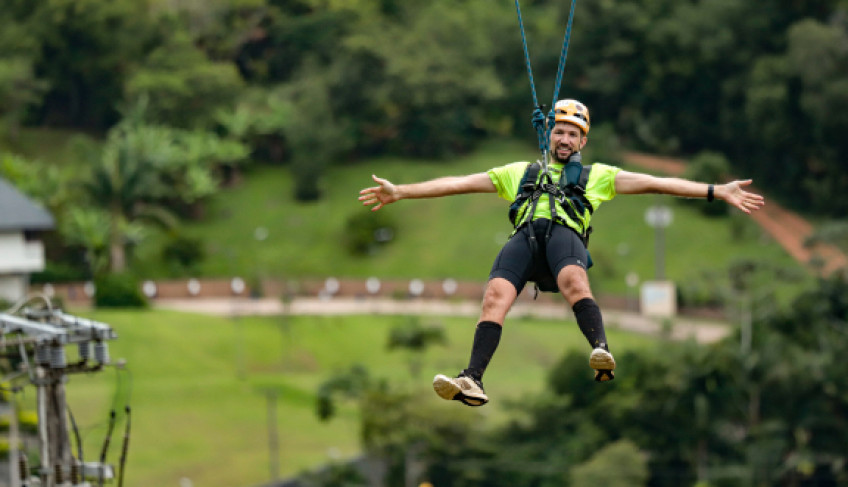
[(196, 386)]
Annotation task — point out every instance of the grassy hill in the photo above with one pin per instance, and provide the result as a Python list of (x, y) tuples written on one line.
[(195, 387), (449, 237)]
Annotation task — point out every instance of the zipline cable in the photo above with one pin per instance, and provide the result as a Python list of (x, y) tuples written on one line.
[(543, 130)]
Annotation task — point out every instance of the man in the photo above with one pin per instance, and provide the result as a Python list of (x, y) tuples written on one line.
[(549, 244)]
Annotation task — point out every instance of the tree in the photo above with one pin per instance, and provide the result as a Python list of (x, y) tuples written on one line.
[(317, 136), (184, 88), (83, 51), (122, 183), (89, 229), (19, 90), (618, 464), (411, 336)]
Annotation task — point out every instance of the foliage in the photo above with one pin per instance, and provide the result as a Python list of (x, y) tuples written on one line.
[(352, 383), (617, 464), (316, 134), (183, 253), (832, 233), (58, 272), (259, 120), (82, 51), (431, 78), (118, 291), (184, 86), (764, 414), (365, 232), (411, 335), (147, 174), (19, 89), (335, 475), (88, 228)]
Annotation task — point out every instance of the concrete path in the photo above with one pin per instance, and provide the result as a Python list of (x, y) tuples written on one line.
[(679, 328)]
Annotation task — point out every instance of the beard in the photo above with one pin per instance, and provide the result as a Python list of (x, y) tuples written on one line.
[(557, 158)]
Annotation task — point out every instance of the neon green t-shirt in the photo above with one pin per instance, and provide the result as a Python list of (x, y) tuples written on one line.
[(599, 188)]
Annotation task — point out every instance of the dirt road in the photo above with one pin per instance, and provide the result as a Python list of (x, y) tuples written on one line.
[(789, 229)]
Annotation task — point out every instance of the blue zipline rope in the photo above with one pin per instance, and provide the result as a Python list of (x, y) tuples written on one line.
[(543, 131), (562, 57)]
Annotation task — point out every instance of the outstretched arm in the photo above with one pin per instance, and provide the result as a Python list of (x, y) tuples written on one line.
[(636, 183), (386, 193)]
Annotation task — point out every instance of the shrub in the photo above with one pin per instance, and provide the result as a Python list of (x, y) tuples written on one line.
[(366, 232), (118, 291), (59, 272), (183, 253)]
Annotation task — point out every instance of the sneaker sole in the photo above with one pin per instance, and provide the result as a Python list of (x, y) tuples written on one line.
[(601, 360), (448, 390)]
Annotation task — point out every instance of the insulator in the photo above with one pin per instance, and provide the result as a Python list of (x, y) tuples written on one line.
[(84, 351), (75, 473), (57, 357), (23, 466), (42, 354), (101, 352), (58, 472)]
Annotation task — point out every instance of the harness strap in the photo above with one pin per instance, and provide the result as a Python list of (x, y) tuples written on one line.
[(570, 196)]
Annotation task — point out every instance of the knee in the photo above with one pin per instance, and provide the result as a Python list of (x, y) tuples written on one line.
[(499, 296), (574, 284)]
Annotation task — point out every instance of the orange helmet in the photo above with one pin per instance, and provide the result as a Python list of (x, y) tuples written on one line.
[(572, 111)]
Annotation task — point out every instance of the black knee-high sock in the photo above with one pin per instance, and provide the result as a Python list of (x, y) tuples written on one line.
[(486, 339), (591, 323)]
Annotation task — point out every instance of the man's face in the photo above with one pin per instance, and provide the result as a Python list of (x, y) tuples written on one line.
[(566, 139)]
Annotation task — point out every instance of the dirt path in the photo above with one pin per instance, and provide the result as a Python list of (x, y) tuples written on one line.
[(786, 227)]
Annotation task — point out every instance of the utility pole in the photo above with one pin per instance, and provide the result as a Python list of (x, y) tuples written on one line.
[(39, 337), (273, 437), (659, 217)]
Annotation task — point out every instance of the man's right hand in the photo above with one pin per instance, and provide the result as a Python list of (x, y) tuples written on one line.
[(379, 196)]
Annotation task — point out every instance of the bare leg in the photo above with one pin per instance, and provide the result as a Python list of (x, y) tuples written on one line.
[(498, 299), (573, 284)]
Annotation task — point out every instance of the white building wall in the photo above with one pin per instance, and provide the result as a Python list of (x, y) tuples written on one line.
[(18, 255), (18, 258)]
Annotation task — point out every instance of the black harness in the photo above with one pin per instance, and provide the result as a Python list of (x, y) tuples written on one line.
[(569, 192)]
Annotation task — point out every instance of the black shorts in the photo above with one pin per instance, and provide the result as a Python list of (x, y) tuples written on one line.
[(517, 264)]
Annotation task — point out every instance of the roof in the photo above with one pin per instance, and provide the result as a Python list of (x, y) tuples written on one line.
[(18, 212)]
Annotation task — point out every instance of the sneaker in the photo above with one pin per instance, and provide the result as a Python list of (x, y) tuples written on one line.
[(463, 388), (603, 363)]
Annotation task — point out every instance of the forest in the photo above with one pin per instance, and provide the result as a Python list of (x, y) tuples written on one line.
[(182, 95)]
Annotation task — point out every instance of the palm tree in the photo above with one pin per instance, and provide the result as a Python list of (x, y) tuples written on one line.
[(125, 184)]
